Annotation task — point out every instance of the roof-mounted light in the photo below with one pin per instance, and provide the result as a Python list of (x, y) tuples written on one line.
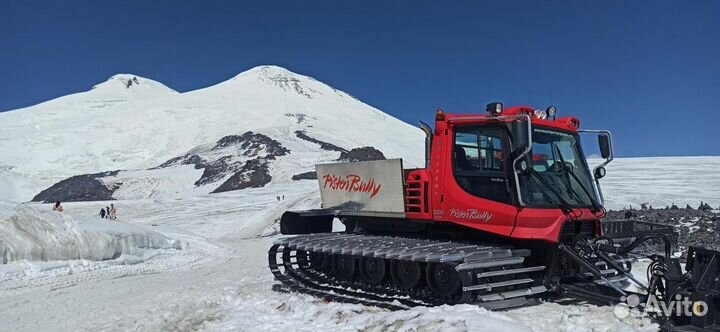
[(440, 115), (575, 123), (571, 122), (551, 111), (526, 111), (540, 114), (494, 109)]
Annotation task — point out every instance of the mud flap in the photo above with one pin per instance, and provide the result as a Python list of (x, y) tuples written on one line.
[(307, 222)]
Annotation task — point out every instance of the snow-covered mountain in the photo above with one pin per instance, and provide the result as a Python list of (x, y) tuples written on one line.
[(135, 124)]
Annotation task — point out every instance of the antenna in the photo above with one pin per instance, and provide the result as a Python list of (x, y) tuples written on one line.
[(551, 110), (550, 96)]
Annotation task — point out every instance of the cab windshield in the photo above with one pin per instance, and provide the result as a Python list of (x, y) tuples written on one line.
[(551, 150)]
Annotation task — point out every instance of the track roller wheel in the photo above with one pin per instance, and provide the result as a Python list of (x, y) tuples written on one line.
[(318, 260), (343, 266), (443, 279), (373, 269), (405, 274)]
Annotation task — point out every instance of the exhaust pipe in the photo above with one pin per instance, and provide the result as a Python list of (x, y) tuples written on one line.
[(428, 142)]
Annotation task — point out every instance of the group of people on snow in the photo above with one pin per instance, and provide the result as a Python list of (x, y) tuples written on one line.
[(279, 198), (109, 212)]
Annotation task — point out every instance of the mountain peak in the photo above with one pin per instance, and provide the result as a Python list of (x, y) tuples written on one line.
[(278, 77), (266, 71), (134, 83)]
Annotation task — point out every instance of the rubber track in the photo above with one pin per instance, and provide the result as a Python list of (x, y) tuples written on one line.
[(288, 262)]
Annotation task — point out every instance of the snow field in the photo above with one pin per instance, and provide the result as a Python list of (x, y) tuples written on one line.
[(219, 281), (36, 233), (661, 182)]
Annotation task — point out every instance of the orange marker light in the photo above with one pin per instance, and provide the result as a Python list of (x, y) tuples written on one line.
[(439, 115)]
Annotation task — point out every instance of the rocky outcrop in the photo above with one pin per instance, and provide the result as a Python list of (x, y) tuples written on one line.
[(243, 158), (249, 144), (252, 144), (188, 159), (367, 153), (232, 148), (217, 170), (131, 81), (323, 145), (312, 175), (86, 187), (254, 174), (695, 227)]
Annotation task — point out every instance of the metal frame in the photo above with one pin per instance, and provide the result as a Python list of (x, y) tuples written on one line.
[(607, 160), (428, 142), (521, 156)]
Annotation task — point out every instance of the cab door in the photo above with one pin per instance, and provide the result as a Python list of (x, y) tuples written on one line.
[(477, 190)]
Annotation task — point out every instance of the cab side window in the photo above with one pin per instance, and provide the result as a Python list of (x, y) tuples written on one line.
[(479, 162)]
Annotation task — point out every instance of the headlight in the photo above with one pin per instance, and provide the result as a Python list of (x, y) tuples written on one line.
[(540, 114)]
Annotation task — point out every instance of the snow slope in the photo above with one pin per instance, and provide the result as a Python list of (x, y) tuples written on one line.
[(35, 234), (228, 287), (130, 123)]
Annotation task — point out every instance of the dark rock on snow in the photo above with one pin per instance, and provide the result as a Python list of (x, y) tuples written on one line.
[(367, 153), (695, 227), (79, 188), (253, 143), (188, 159), (312, 175), (216, 170), (323, 145), (705, 207), (249, 144), (254, 174)]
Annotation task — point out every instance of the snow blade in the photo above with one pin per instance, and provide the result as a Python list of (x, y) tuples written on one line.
[(307, 222)]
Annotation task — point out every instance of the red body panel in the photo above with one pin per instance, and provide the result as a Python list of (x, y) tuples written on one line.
[(448, 202), (545, 224)]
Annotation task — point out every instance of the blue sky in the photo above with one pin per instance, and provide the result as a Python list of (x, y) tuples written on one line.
[(647, 70)]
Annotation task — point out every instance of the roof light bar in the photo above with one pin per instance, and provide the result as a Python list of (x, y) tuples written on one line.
[(494, 108)]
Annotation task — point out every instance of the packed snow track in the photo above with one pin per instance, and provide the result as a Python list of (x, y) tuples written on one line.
[(218, 281)]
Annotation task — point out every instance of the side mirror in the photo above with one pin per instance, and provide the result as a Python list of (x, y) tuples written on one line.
[(604, 142), (520, 134), (600, 172), (520, 130)]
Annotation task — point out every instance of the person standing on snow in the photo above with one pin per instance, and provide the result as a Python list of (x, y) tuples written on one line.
[(58, 207), (113, 212), (107, 212), (102, 213)]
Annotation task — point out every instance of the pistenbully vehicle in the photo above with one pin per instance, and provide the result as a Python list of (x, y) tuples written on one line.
[(505, 212)]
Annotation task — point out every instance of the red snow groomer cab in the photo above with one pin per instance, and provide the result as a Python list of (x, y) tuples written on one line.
[(505, 211)]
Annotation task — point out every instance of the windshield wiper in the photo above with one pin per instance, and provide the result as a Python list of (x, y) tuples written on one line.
[(569, 188), (562, 203), (596, 206)]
